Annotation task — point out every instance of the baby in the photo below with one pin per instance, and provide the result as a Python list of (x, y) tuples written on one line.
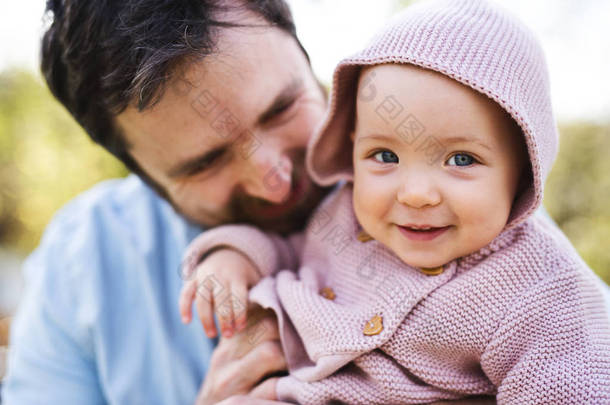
[(425, 276)]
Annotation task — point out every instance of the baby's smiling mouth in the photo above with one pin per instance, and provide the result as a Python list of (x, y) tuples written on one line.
[(422, 232), (422, 228)]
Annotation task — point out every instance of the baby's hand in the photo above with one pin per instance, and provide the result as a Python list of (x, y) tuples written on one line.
[(219, 284)]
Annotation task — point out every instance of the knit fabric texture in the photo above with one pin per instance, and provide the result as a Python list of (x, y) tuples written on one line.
[(523, 318), (472, 41)]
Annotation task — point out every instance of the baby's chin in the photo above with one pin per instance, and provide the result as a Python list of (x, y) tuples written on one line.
[(429, 260), (427, 264)]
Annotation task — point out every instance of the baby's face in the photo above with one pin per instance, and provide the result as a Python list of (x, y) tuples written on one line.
[(436, 164)]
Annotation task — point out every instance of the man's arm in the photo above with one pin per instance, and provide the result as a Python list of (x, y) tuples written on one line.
[(49, 360)]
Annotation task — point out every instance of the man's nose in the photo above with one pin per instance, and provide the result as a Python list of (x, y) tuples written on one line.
[(418, 190), (267, 174)]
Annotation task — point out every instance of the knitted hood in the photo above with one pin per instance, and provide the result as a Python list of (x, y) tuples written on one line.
[(474, 42)]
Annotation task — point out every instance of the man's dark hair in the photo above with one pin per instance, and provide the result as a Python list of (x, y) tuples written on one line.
[(100, 56)]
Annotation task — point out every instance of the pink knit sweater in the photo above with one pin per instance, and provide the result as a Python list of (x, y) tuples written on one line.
[(522, 318)]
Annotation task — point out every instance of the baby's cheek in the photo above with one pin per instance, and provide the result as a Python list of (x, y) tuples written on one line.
[(481, 225), (361, 205), (367, 203)]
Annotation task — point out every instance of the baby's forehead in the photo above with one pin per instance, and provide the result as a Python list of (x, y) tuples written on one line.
[(405, 97)]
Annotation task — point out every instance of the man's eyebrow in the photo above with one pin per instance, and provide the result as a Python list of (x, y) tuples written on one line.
[(283, 99), (194, 163)]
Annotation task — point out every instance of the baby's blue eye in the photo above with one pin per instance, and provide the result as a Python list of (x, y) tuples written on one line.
[(386, 157), (460, 159)]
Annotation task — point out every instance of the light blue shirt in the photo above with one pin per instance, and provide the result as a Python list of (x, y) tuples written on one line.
[(99, 323)]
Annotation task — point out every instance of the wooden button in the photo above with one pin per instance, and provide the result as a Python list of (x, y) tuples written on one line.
[(328, 293), (374, 326), (434, 271), (364, 237)]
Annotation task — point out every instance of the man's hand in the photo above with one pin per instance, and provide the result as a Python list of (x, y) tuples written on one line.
[(238, 364)]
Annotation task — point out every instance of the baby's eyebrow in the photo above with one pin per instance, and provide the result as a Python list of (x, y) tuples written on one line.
[(379, 137), (445, 141), (463, 139)]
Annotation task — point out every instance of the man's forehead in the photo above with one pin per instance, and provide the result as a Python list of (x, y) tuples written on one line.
[(248, 68), (198, 92)]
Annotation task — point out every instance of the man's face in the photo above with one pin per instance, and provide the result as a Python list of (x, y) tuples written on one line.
[(227, 140), (431, 208)]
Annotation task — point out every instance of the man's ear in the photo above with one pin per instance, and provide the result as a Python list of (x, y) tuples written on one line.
[(352, 135)]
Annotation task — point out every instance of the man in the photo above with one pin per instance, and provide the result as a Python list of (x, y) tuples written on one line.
[(211, 103)]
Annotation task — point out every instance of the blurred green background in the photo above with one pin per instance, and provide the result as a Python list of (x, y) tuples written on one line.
[(46, 159)]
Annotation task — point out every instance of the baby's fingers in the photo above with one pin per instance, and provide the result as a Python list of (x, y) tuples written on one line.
[(224, 312), (185, 302), (240, 304), (204, 302)]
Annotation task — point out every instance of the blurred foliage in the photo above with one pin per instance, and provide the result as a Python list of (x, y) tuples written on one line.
[(577, 193), (45, 159)]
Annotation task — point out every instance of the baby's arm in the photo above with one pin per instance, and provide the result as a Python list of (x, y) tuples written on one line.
[(219, 267)]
